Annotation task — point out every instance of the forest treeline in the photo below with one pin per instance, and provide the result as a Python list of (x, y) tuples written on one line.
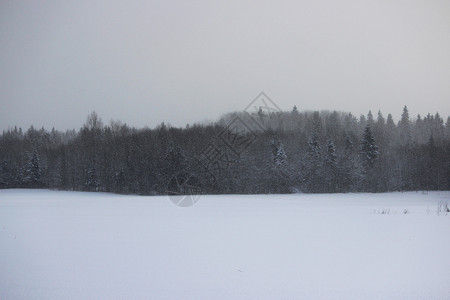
[(277, 152)]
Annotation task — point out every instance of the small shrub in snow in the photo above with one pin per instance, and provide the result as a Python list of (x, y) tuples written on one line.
[(383, 211), (443, 208)]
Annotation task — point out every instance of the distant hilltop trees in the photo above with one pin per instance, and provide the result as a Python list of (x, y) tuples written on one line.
[(311, 152)]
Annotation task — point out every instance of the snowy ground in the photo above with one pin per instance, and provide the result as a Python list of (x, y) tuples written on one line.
[(73, 245)]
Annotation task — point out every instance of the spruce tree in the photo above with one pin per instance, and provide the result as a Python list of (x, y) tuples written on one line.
[(92, 182), (347, 167), (330, 172), (368, 154), (313, 166), (405, 128), (379, 129), (32, 171), (369, 150), (281, 170)]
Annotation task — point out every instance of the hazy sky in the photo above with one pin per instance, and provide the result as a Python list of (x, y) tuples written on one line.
[(144, 62)]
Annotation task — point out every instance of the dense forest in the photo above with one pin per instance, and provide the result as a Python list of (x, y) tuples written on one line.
[(278, 152)]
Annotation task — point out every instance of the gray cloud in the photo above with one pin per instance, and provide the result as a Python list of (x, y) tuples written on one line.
[(145, 62)]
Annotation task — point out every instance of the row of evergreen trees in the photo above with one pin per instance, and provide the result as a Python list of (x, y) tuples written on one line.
[(310, 152)]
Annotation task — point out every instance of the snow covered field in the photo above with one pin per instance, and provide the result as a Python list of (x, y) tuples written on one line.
[(73, 245)]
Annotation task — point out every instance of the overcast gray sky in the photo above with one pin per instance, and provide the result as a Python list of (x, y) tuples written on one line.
[(144, 62)]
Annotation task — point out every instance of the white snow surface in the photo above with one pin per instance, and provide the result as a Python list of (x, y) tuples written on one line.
[(75, 245)]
